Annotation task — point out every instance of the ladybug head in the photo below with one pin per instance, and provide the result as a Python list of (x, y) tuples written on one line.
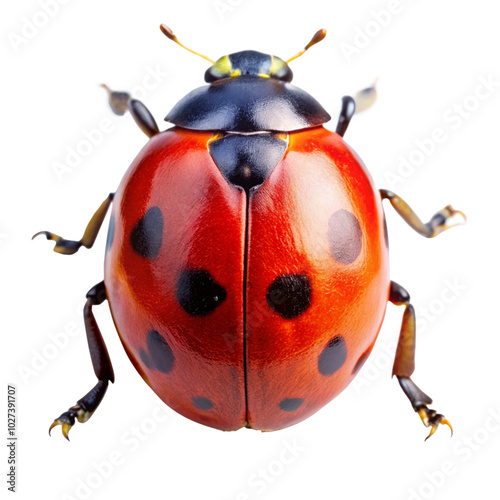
[(248, 62)]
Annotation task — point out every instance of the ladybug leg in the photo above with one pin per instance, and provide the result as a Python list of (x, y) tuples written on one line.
[(363, 99), (103, 369), (121, 102), (346, 113), (445, 219), (404, 363), (366, 98), (69, 247)]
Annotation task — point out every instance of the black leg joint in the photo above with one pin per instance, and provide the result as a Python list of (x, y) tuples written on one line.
[(398, 295), (143, 117), (93, 398), (417, 397), (346, 113), (97, 294)]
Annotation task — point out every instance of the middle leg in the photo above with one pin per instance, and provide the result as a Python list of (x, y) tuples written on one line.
[(69, 247), (445, 219)]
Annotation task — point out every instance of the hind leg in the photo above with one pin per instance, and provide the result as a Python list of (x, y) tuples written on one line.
[(103, 369), (404, 363)]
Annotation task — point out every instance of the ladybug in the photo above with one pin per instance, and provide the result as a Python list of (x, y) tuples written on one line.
[(246, 263)]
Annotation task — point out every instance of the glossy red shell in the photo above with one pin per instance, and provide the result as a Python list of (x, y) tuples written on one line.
[(245, 362)]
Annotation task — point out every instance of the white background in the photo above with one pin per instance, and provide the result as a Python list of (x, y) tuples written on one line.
[(368, 443)]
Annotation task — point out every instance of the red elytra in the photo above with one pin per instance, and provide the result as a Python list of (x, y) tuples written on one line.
[(244, 363)]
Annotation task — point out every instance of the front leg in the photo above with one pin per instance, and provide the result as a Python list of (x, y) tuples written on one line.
[(121, 102), (445, 219), (363, 99), (69, 247), (346, 113)]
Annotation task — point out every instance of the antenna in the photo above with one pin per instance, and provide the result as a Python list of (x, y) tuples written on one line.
[(170, 34), (318, 36)]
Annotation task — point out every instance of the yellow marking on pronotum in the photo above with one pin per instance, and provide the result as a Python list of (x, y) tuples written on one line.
[(281, 135), (215, 137)]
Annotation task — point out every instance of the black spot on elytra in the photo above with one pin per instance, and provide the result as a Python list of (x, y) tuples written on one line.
[(198, 293), (361, 361), (333, 356), (111, 233), (159, 354), (147, 236), (291, 404), (202, 403), (289, 295), (345, 237)]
